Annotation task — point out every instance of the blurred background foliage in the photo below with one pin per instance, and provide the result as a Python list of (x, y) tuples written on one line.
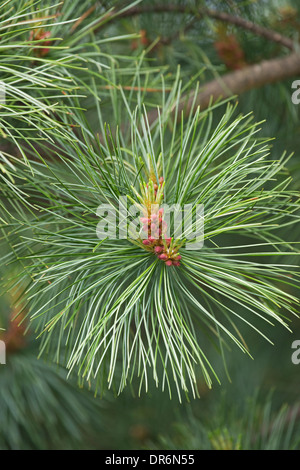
[(258, 408)]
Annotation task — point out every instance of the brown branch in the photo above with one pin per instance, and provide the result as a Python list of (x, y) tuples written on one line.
[(202, 12), (252, 27), (135, 88), (238, 82)]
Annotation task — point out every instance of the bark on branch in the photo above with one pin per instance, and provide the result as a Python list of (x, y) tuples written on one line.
[(240, 81), (202, 12)]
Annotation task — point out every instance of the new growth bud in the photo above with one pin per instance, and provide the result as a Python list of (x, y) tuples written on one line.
[(155, 227)]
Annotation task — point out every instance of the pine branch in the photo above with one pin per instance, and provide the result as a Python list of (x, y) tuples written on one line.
[(121, 310), (215, 14), (252, 27), (238, 82)]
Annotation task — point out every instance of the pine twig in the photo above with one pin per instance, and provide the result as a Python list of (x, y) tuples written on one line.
[(215, 14)]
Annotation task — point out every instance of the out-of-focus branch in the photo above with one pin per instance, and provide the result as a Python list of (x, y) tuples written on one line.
[(202, 12), (253, 27), (240, 81)]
